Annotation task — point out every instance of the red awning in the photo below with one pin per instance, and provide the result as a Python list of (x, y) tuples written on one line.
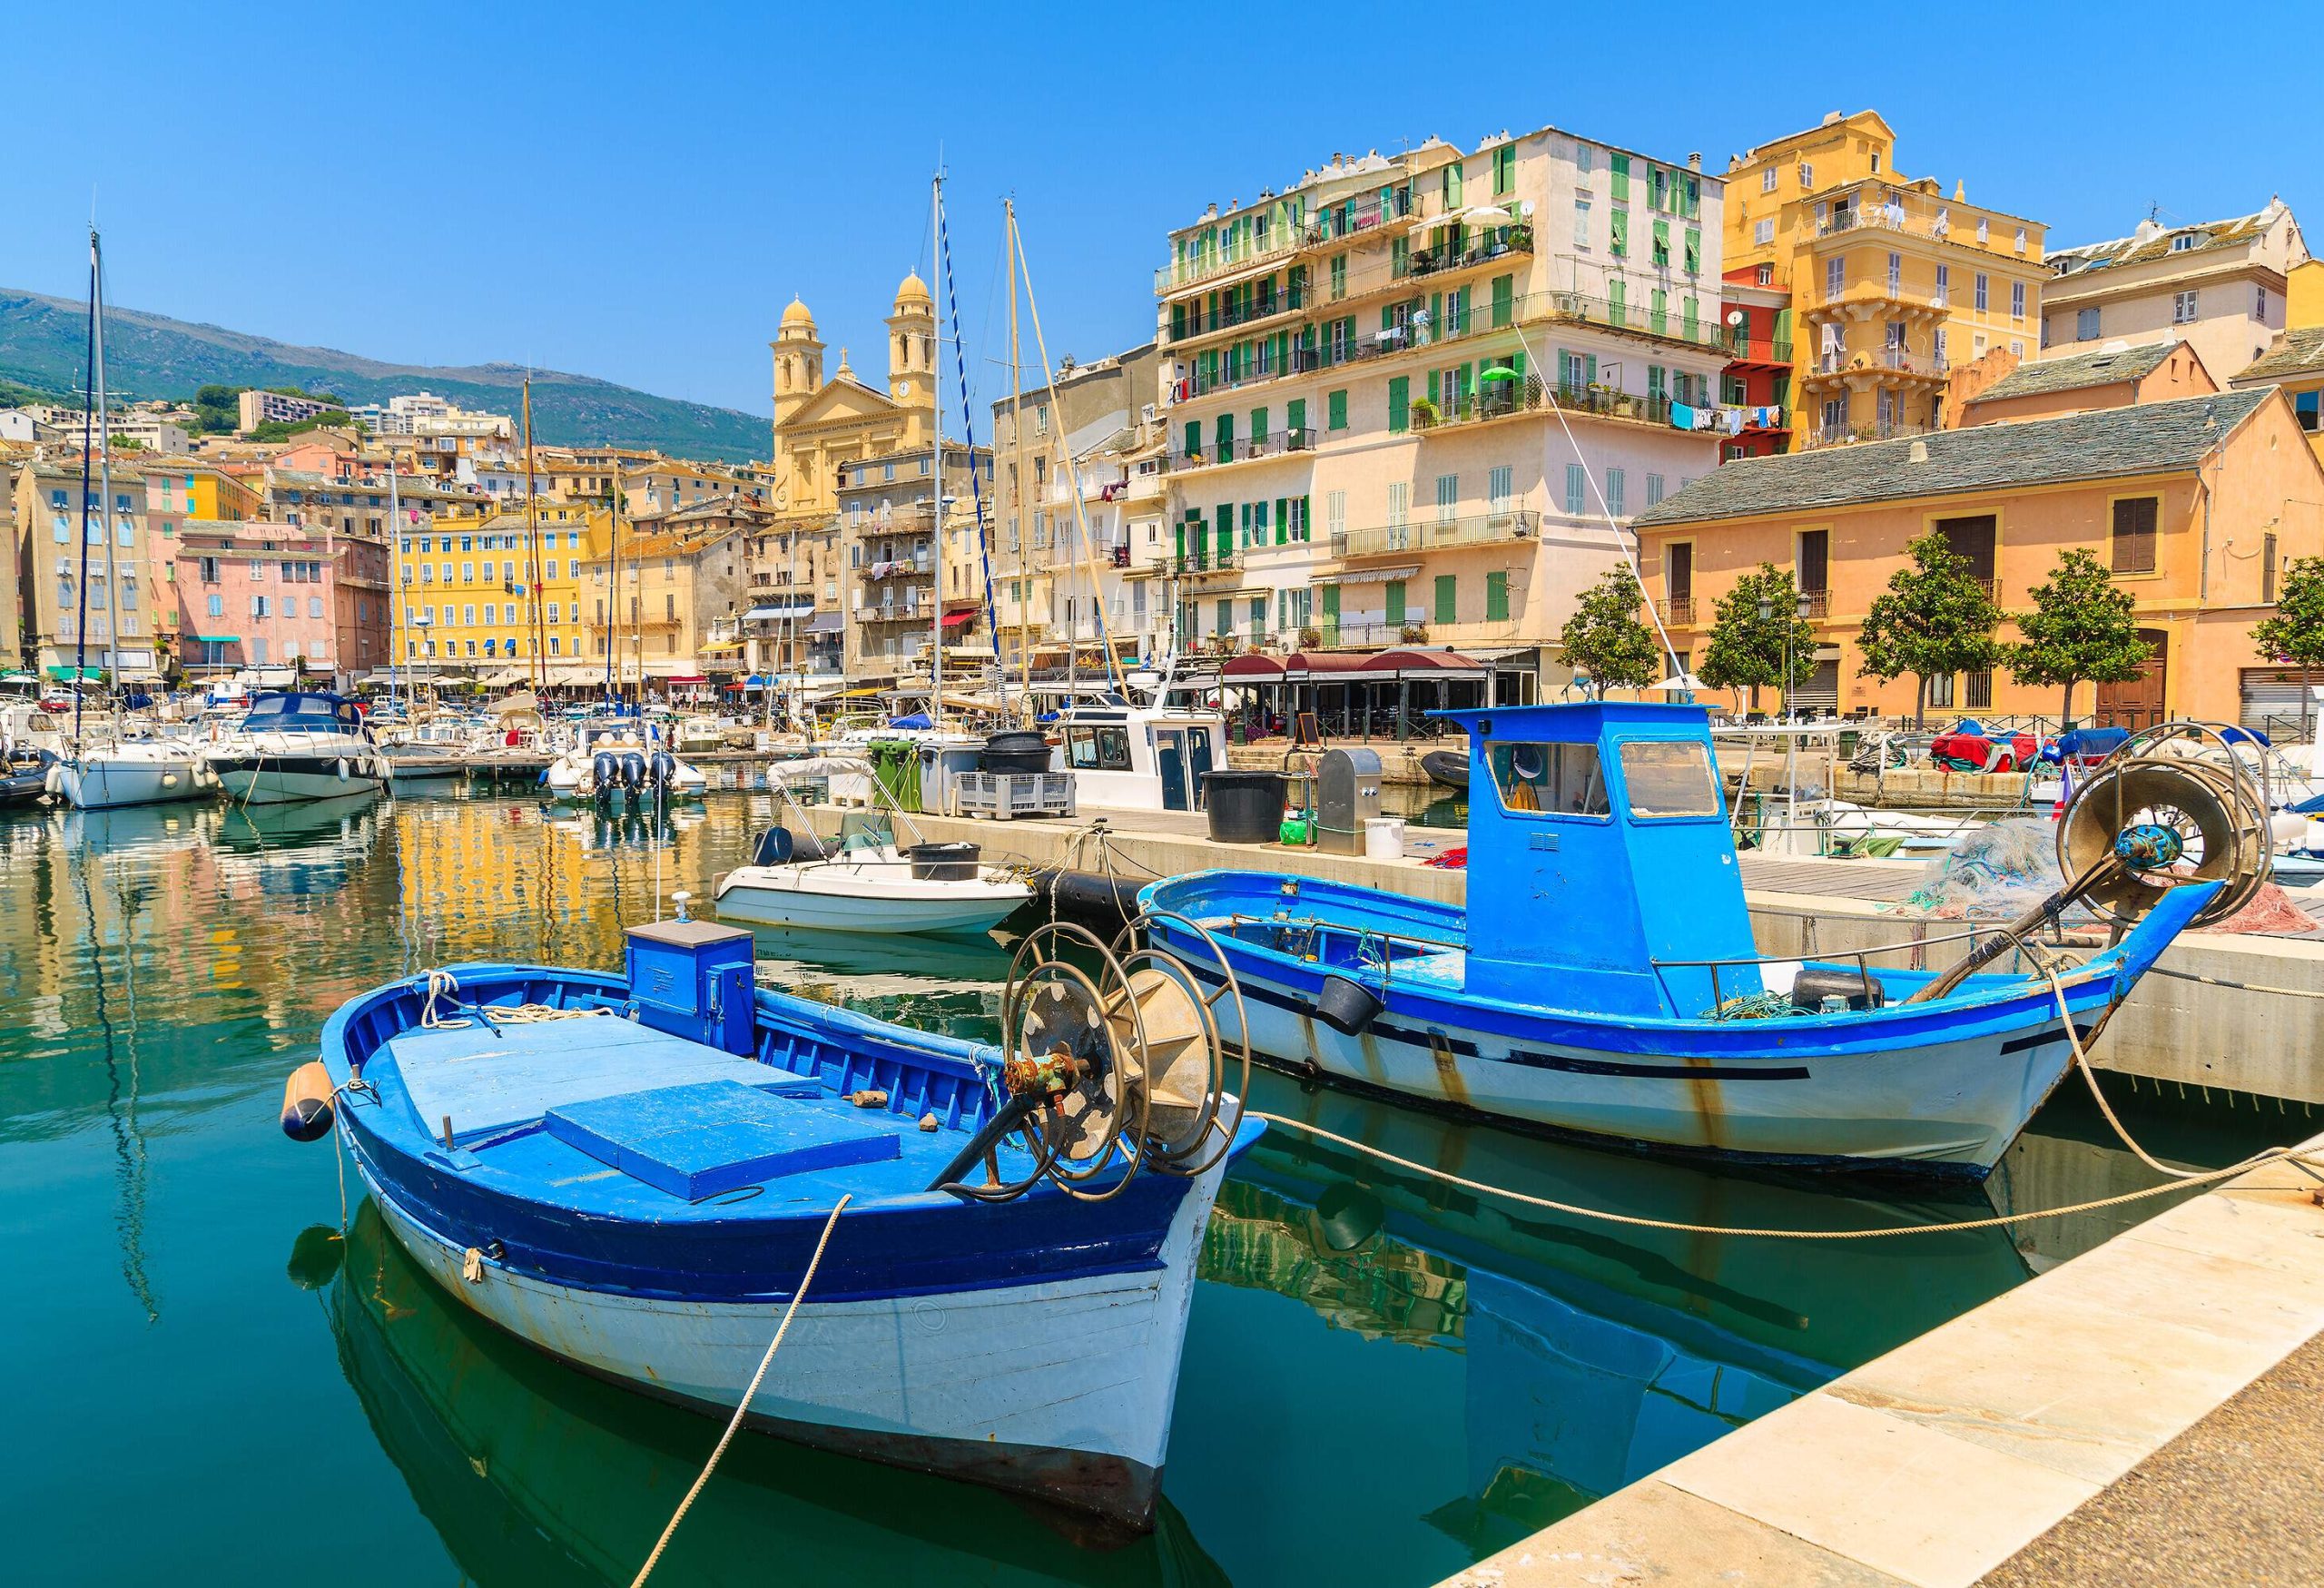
[(685, 678), (1252, 667), (1413, 661), (1313, 662), (955, 619)]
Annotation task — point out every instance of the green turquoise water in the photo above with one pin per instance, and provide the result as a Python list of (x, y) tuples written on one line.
[(1384, 1379)]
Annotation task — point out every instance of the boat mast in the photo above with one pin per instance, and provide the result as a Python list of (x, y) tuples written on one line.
[(104, 466), (936, 446), (88, 447), (1024, 526), (613, 570), (534, 635), (399, 662)]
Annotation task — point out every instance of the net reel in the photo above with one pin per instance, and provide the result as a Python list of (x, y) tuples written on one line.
[(1107, 1070), (2172, 805)]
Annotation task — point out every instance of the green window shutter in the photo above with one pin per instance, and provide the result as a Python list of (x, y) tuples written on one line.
[(1504, 170), (1661, 240), (1448, 598), (1395, 603), (1618, 292), (1178, 537), (1621, 180), (1225, 425), (1225, 614), (1399, 404), (1690, 320), (1194, 438), (1281, 519), (1336, 408), (1225, 535), (1452, 200), (1434, 397), (1331, 604), (1259, 426), (1294, 415), (1497, 597), (1621, 228), (1306, 519), (1504, 302), (1178, 321), (1590, 369), (1694, 250)]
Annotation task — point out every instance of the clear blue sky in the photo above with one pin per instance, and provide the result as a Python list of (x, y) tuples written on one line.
[(637, 192)]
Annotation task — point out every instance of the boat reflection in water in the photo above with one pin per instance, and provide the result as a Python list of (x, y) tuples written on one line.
[(1588, 1354), (533, 1473)]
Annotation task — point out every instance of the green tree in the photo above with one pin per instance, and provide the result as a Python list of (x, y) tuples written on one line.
[(1935, 619), (2082, 627), (1747, 650), (1604, 637), (2294, 634)]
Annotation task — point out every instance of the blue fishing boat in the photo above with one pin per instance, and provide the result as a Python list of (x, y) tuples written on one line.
[(632, 1172), (1603, 980)]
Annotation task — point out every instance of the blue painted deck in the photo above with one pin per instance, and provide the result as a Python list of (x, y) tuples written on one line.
[(488, 1078), (711, 1136)]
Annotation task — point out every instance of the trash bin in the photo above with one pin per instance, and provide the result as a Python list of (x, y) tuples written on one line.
[(1018, 750), (944, 863), (1384, 838), (1245, 807)]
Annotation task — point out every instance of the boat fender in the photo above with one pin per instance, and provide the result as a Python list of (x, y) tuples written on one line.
[(1810, 988), (306, 1112), (342, 769), (1347, 1007), (774, 847)]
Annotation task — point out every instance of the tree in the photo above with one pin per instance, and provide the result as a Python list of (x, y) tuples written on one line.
[(1935, 619), (2082, 627), (1604, 637), (1747, 650), (2294, 634)]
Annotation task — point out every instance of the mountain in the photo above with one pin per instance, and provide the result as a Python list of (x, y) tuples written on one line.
[(44, 344)]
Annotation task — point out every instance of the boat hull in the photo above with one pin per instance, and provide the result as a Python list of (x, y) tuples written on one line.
[(1015, 1386), (782, 901), (102, 783), (277, 780)]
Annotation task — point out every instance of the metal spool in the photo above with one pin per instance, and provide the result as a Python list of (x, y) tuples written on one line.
[(1169, 1004), (2173, 805)]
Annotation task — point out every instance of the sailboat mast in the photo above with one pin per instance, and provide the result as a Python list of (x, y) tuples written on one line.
[(936, 419), (1024, 526), (88, 420), (104, 466), (613, 599), (397, 620), (532, 630)]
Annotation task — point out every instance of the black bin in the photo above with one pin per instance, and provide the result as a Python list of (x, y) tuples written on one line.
[(944, 863), (1018, 750), (1245, 807)]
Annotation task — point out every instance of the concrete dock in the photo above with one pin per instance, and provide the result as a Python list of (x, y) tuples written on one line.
[(2145, 1413)]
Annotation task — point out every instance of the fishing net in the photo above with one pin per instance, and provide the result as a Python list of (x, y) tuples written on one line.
[(1995, 872), (1756, 1006), (2270, 910)]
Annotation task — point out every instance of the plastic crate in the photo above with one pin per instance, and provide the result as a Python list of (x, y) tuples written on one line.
[(1004, 797)]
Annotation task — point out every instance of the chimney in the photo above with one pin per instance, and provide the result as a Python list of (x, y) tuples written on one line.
[(1695, 160), (1919, 452)]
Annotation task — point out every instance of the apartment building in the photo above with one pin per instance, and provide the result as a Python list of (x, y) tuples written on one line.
[(56, 523), (889, 514), (253, 593), (659, 598), (1098, 576), (2217, 286), (1416, 397), (1890, 283), (477, 598), (276, 407)]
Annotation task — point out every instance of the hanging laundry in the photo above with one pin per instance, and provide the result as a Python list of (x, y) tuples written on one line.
[(1705, 419), (1683, 418), (1731, 419)]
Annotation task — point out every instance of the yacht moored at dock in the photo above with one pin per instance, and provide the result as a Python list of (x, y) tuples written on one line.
[(297, 744)]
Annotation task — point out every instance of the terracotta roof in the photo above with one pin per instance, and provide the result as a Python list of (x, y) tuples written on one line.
[(2293, 353), (2148, 438), (2106, 366)]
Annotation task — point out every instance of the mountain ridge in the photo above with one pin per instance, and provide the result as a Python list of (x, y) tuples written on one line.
[(43, 345)]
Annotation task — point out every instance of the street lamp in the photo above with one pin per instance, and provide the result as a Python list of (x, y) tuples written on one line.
[(1767, 613)]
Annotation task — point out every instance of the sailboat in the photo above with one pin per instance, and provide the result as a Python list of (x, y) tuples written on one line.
[(127, 771)]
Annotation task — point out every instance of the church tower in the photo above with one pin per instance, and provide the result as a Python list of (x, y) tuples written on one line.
[(798, 362), (912, 345)]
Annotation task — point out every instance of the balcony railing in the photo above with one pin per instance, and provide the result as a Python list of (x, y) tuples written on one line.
[(1665, 324), (1676, 608), (1272, 445), (1919, 218), (1197, 563), (1815, 602), (1246, 311), (1759, 349), (1437, 535), (1903, 360), (1218, 264), (1497, 400), (1265, 367), (1843, 434), (1353, 217)]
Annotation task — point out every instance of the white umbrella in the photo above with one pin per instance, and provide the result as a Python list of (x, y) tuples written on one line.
[(1679, 681), (1488, 215)]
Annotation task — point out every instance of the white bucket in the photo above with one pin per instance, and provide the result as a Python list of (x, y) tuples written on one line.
[(1383, 837)]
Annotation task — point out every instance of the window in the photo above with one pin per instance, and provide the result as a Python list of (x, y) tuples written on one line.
[(217, 606), (1984, 230), (1335, 413), (1666, 780), (1806, 176), (1497, 595), (1581, 225), (2085, 325), (1764, 232), (314, 606), (1577, 488), (1768, 179), (2135, 534), (1984, 293), (1497, 488), (2017, 299), (1339, 276), (2182, 307), (1100, 749), (1554, 779), (1944, 285), (1896, 274), (1448, 598), (1336, 513), (1615, 490), (1836, 275), (1399, 404)]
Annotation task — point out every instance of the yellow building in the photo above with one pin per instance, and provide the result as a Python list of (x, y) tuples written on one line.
[(2294, 359), (664, 600), (1892, 283), (475, 599)]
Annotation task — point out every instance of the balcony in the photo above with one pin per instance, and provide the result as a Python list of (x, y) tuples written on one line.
[(1841, 435), (1676, 608), (1204, 565), (1438, 535), (1493, 244), (1275, 444), (921, 612), (1773, 351), (1662, 324), (1871, 210), (1880, 360), (1353, 217), (1208, 266), (1498, 399), (1265, 368), (1265, 307), (901, 569)]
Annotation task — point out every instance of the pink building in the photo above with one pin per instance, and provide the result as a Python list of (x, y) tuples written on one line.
[(256, 594)]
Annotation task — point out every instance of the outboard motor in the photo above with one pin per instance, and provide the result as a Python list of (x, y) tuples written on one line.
[(632, 770), (663, 769), (604, 772)]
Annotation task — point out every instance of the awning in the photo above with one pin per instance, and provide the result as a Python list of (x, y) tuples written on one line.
[(769, 614), (719, 646), (826, 623), (87, 675), (217, 639), (955, 619), (1419, 661), (1251, 668), (1370, 575), (685, 678)]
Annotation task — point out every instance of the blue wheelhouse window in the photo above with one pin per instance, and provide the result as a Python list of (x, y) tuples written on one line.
[(1536, 778)]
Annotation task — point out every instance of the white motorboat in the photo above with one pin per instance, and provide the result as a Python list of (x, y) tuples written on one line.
[(608, 759), (1139, 757), (136, 772), (297, 744), (861, 881)]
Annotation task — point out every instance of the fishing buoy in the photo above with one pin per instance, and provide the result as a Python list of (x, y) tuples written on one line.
[(306, 1102)]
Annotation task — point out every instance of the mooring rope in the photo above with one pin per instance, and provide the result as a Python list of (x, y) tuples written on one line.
[(2233, 985), (442, 985), (749, 1395)]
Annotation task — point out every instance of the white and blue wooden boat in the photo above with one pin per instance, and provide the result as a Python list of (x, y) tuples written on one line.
[(1597, 982), (631, 1172)]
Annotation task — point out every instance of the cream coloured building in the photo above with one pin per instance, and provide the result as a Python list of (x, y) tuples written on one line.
[(2217, 286)]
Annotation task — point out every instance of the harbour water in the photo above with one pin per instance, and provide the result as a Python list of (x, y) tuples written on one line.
[(1384, 1379)]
